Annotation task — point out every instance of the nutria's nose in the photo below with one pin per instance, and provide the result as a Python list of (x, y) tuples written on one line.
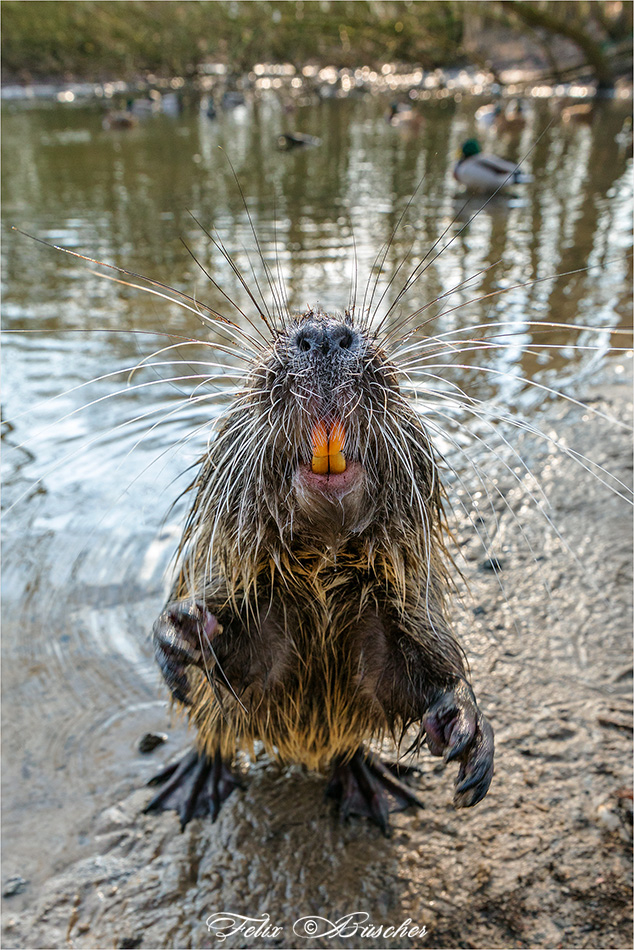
[(324, 339)]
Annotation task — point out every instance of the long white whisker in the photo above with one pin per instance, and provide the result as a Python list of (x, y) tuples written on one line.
[(533, 383)]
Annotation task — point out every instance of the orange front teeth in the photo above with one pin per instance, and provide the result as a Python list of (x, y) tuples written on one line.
[(328, 457)]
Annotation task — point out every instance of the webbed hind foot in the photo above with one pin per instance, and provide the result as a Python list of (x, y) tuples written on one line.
[(363, 785), (194, 787)]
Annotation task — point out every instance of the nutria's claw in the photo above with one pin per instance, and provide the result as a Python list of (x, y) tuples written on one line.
[(476, 770), (182, 637), (456, 729)]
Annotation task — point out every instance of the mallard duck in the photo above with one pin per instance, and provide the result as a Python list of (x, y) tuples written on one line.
[(150, 105), (289, 140), (509, 119), (485, 173), (624, 139), (513, 118), (232, 99), (208, 106), (120, 119), (401, 114), (171, 104), (486, 116), (582, 113)]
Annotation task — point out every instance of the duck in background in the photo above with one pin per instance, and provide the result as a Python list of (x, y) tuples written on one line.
[(120, 119), (232, 99), (290, 140), (582, 113), (208, 107), (171, 104), (513, 118), (509, 119), (402, 115), (149, 105), (486, 173), (625, 139), (486, 116), (168, 103)]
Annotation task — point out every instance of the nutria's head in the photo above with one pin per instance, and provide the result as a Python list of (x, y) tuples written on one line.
[(320, 448), (318, 391)]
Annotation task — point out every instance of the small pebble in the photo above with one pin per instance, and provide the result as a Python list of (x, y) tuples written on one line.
[(150, 741), (15, 885), (492, 564)]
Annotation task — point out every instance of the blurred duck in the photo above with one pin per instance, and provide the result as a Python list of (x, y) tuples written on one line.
[(485, 173), (401, 114), (625, 138), (208, 106), (582, 113), (486, 116), (513, 118), (171, 104), (147, 106), (232, 99), (291, 140), (509, 119), (121, 119)]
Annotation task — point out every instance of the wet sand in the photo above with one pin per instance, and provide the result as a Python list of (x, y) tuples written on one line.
[(543, 861)]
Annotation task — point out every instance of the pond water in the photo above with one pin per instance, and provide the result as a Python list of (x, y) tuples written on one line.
[(94, 457)]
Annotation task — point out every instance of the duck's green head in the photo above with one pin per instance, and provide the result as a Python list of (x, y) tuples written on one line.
[(470, 147)]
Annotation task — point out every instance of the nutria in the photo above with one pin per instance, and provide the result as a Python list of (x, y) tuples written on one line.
[(310, 611)]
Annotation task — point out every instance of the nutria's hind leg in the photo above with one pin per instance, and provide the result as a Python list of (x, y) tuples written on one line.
[(363, 785), (194, 787)]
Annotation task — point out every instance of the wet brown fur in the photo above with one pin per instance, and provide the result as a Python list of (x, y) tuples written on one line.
[(328, 638)]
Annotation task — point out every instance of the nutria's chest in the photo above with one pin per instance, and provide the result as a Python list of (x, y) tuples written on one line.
[(319, 671), (328, 603), (323, 624)]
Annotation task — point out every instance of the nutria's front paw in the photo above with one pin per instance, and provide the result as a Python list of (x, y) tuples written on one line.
[(182, 637), (456, 729)]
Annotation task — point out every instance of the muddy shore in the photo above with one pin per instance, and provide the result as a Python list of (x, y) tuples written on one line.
[(543, 861)]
